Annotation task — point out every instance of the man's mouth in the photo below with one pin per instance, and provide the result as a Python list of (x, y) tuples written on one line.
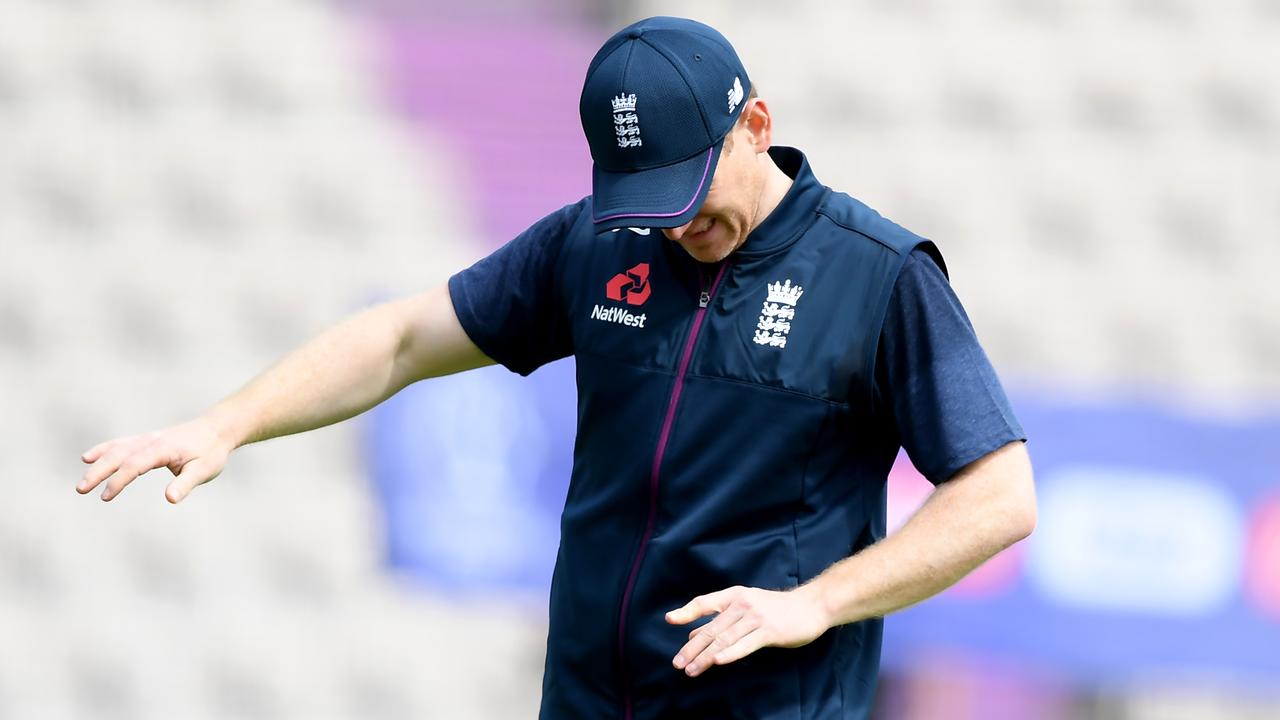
[(703, 230)]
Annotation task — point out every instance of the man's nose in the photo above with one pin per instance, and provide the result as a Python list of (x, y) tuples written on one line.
[(677, 232)]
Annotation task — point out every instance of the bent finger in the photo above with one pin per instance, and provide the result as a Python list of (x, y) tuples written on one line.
[(140, 463), (107, 463), (195, 473)]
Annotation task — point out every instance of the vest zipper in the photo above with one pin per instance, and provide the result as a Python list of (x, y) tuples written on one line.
[(691, 341)]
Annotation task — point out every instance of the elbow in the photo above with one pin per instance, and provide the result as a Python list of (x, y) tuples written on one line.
[(1016, 521), (1003, 495), (1015, 500), (1019, 494), (1021, 508), (1022, 520)]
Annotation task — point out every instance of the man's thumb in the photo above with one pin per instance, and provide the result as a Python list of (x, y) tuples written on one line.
[(196, 472)]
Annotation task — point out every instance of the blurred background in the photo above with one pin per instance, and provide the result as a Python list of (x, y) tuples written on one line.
[(188, 189)]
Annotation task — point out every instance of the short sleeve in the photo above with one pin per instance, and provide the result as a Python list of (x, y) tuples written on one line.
[(948, 406), (508, 302)]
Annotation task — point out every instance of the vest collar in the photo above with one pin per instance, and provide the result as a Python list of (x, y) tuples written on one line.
[(794, 214)]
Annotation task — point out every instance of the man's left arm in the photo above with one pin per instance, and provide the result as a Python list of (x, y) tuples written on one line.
[(984, 509), (942, 396)]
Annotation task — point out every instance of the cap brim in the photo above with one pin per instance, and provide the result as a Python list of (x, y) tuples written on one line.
[(661, 197)]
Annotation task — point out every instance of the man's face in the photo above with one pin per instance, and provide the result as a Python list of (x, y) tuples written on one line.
[(729, 212)]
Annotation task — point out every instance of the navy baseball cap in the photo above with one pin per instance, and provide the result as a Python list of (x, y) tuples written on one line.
[(659, 99)]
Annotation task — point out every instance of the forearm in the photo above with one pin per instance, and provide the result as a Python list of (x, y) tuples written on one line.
[(984, 509), (348, 369)]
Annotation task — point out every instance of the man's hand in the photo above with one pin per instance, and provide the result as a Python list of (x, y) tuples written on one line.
[(194, 452), (748, 619)]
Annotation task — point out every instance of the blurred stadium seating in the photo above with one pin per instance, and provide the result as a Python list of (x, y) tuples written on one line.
[(189, 189)]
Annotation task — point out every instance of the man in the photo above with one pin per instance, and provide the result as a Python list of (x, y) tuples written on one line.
[(746, 377)]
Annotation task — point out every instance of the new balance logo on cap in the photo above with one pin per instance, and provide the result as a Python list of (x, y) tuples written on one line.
[(735, 94)]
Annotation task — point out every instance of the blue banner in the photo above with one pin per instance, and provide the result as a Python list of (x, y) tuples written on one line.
[(1157, 549)]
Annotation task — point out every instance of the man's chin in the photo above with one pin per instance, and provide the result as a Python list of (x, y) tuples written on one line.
[(709, 251), (710, 254)]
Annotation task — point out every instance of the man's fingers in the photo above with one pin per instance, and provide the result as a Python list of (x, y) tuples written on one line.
[(197, 472), (144, 460), (107, 457), (92, 454), (700, 638), (712, 635), (702, 605), (750, 641), (725, 640), (190, 451), (753, 619), (102, 468)]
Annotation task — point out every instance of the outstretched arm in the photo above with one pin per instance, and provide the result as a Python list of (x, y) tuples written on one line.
[(985, 508), (344, 371)]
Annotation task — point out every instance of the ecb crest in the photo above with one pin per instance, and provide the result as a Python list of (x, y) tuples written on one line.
[(626, 124), (777, 313)]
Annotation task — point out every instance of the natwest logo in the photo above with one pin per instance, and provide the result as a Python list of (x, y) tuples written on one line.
[(631, 286), (618, 315)]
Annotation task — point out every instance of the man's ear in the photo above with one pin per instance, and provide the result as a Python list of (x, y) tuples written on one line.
[(759, 123)]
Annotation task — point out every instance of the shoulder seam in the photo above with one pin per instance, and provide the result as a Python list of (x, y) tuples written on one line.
[(856, 231)]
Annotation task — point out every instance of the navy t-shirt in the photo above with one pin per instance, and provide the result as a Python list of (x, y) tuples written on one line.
[(934, 383), (934, 379)]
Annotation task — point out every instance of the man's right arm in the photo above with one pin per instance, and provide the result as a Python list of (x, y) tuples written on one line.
[(344, 371)]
